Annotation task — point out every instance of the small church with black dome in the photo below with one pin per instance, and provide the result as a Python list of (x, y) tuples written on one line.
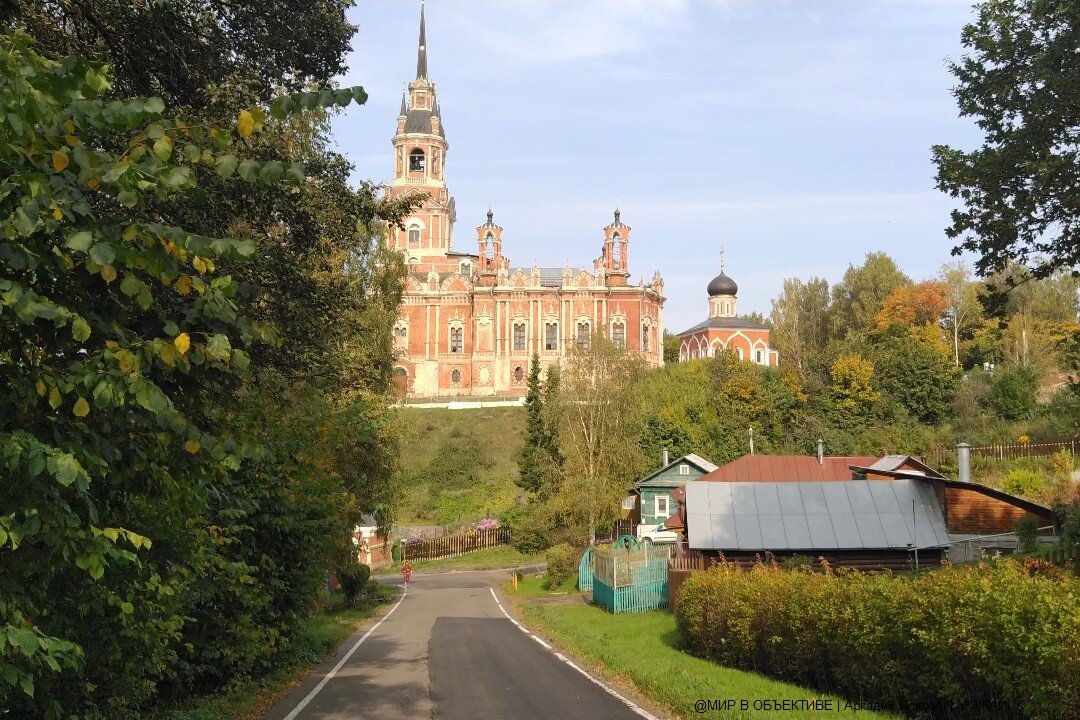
[(725, 331)]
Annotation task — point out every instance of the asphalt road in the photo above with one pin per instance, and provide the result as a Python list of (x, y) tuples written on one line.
[(449, 651)]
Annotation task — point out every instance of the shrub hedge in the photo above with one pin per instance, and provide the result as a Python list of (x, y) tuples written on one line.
[(561, 564), (996, 640)]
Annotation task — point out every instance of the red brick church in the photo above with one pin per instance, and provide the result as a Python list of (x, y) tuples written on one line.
[(724, 330), (470, 320)]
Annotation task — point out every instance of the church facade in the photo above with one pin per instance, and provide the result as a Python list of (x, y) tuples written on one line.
[(470, 320), (725, 331)]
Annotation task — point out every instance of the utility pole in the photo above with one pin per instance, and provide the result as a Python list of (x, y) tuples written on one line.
[(751, 439)]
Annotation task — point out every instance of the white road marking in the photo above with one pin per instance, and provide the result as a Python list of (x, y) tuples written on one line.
[(629, 703), (315, 691)]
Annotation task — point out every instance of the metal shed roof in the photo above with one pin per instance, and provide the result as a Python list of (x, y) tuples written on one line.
[(853, 515)]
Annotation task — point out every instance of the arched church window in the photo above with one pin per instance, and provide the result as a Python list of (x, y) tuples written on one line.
[(618, 334), (758, 356), (519, 374), (738, 351), (519, 336), (414, 260), (414, 235), (583, 334), (455, 376), (456, 339), (417, 161)]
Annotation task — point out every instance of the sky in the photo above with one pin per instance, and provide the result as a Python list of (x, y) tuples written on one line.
[(794, 134)]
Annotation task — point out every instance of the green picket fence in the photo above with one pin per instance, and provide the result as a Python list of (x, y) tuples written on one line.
[(629, 577), (585, 572)]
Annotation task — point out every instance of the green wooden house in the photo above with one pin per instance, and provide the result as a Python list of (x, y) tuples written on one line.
[(654, 504)]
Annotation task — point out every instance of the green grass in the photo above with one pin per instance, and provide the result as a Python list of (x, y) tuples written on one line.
[(459, 465), (642, 650), (536, 586), (252, 699), (493, 558)]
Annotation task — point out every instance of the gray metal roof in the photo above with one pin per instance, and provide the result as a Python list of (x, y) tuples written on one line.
[(889, 462), (812, 516), (549, 277), (701, 463), (734, 323)]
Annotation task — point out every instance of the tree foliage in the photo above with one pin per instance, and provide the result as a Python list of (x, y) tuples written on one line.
[(1020, 191), (178, 489)]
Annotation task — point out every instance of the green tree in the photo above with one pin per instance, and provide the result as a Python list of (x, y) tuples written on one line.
[(800, 317), (1012, 393), (852, 387), (539, 453), (1020, 192), (597, 414), (860, 295), (916, 374), (963, 310), (671, 348)]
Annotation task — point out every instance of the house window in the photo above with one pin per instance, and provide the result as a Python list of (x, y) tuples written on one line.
[(551, 336), (417, 162), (414, 235), (519, 374), (583, 334), (455, 376), (618, 334), (661, 506), (519, 336), (644, 338), (757, 357), (684, 469), (456, 339)]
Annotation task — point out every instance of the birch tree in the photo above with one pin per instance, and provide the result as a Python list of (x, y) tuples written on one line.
[(597, 420)]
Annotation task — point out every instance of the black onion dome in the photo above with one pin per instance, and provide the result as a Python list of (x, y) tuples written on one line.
[(722, 285)]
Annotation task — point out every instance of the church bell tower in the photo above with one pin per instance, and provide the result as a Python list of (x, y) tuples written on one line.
[(419, 168)]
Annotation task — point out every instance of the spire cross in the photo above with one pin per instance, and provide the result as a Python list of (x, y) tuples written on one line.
[(721, 259)]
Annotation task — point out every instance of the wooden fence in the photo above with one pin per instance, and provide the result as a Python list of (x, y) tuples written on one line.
[(1006, 451), (455, 545)]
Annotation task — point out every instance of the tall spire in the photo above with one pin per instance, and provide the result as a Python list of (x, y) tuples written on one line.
[(421, 53), (404, 108)]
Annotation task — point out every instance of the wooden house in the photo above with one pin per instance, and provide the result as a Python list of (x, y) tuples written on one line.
[(650, 502)]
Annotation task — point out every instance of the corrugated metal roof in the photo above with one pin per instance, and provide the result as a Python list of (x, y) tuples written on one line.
[(811, 516), (787, 468)]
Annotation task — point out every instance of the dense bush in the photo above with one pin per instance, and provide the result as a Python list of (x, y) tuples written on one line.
[(1012, 394), (354, 580), (530, 528), (986, 641), (561, 565)]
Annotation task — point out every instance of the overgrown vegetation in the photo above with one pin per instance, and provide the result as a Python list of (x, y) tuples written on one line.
[(996, 640), (194, 348)]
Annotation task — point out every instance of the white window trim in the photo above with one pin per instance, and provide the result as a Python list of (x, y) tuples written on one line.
[(666, 512), (684, 469)]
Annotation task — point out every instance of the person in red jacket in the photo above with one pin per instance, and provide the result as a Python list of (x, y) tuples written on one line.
[(406, 572)]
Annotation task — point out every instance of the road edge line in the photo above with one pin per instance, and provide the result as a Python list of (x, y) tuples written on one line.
[(559, 656), (326, 678)]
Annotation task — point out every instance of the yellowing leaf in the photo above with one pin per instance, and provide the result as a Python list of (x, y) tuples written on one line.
[(199, 264), (183, 285), (108, 273), (59, 160), (69, 126), (245, 123), (93, 183), (192, 446), (127, 362), (55, 399), (58, 214), (182, 343), (40, 386), (71, 140), (81, 408), (167, 353), (129, 233)]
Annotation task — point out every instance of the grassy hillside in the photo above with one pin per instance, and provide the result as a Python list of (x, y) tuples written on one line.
[(459, 464)]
